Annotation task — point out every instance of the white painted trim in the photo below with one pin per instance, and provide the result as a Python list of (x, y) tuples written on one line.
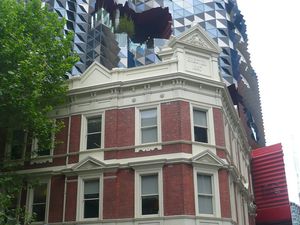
[(138, 142), (232, 198), (80, 192), (137, 184), (215, 186)]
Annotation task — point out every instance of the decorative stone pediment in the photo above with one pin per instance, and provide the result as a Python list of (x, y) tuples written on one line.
[(208, 158), (196, 53), (88, 163), (196, 37), (95, 74)]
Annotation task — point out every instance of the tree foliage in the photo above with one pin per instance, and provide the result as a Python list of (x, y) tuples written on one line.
[(126, 25), (35, 55)]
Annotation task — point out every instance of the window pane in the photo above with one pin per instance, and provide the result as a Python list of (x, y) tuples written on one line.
[(40, 150), (200, 118), (17, 144), (93, 141), (148, 117), (39, 202), (39, 212), (200, 134), (149, 184), (43, 152), (40, 193), (149, 135), (94, 125), (150, 205), (18, 137), (204, 184), (205, 204), (91, 208), (16, 152), (91, 187), (91, 198)]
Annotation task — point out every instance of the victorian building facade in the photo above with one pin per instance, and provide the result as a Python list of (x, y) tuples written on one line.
[(160, 144)]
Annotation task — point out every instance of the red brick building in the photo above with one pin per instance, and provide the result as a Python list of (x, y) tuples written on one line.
[(153, 145)]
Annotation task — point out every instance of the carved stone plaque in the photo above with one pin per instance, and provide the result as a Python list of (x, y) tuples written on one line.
[(197, 64)]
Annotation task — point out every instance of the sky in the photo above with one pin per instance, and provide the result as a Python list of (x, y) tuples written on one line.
[(273, 42)]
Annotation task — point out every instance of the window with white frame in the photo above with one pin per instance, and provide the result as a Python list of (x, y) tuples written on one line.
[(93, 132), (149, 194), (16, 144), (205, 193), (148, 125), (91, 198), (37, 151), (200, 126), (149, 191), (38, 201)]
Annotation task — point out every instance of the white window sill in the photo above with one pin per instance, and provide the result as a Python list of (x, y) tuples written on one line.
[(148, 147), (41, 159)]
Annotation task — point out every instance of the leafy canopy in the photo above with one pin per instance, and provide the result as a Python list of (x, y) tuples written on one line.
[(35, 55), (126, 25)]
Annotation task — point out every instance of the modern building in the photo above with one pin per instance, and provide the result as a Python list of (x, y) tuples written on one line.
[(160, 144), (270, 187), (155, 21), (295, 210)]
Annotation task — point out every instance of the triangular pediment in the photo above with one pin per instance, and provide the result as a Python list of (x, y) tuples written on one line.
[(196, 37), (95, 74), (208, 158), (88, 163)]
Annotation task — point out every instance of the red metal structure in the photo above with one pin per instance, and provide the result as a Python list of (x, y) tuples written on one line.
[(270, 187)]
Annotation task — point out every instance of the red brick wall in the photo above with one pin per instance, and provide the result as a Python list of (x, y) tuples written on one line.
[(111, 121), (126, 193), (109, 195), (175, 121), (178, 190), (125, 128), (119, 129), (56, 199), (118, 196), (219, 127), (74, 138), (62, 139), (221, 153), (224, 193), (71, 199)]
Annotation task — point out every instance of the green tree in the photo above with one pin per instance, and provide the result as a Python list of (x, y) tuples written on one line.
[(126, 25), (35, 55)]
